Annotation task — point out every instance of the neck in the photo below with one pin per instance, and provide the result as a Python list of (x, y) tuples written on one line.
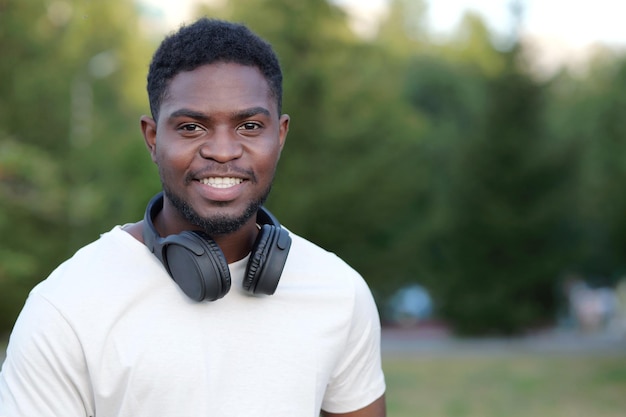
[(235, 246), (238, 245)]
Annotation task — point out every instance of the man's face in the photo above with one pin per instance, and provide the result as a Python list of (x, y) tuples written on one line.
[(217, 143)]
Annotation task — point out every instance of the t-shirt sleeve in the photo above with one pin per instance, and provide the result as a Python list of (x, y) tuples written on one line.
[(358, 379), (44, 373)]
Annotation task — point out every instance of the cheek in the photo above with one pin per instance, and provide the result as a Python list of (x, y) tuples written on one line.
[(172, 166), (270, 161), (173, 157)]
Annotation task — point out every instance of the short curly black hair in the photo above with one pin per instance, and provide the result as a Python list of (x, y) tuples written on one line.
[(205, 42)]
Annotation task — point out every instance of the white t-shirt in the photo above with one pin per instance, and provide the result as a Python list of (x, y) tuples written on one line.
[(110, 334)]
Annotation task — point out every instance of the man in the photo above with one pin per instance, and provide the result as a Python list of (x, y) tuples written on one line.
[(207, 307)]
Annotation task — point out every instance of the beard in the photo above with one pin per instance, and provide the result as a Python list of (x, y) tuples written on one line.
[(218, 224)]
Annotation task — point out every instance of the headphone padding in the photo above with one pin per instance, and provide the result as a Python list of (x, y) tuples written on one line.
[(202, 276), (257, 259)]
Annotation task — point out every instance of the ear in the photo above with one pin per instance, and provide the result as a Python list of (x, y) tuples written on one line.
[(149, 130), (283, 129)]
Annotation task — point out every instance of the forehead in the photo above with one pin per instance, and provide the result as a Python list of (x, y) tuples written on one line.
[(219, 86)]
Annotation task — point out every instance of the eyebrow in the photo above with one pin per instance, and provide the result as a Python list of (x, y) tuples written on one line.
[(184, 112), (237, 115), (253, 111)]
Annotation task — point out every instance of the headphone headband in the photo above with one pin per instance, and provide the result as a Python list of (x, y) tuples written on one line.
[(196, 263)]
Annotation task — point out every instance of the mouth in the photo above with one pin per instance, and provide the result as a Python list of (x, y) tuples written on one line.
[(221, 182)]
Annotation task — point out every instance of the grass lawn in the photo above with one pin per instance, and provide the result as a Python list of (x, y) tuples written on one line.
[(506, 386)]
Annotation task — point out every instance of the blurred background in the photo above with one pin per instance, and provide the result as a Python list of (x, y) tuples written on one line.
[(465, 157)]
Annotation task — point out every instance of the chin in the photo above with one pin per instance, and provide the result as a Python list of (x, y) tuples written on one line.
[(222, 219)]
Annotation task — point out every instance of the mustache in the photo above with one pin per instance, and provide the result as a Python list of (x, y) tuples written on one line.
[(221, 170)]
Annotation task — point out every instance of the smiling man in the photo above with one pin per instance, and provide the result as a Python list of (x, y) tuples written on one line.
[(208, 306)]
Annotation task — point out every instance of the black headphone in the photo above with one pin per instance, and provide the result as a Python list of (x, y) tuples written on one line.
[(196, 263)]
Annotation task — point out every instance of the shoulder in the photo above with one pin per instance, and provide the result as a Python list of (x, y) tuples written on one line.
[(98, 270), (320, 268), (314, 267), (306, 254), (110, 249)]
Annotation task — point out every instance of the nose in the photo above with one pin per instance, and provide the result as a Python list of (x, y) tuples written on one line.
[(222, 146)]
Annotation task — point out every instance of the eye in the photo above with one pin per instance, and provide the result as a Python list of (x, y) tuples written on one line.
[(190, 130), (189, 127), (250, 126)]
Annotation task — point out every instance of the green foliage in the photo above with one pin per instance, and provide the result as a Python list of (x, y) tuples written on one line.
[(508, 228), (70, 101), (589, 114), (443, 163)]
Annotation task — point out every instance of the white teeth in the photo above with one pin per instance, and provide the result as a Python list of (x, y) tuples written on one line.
[(221, 182)]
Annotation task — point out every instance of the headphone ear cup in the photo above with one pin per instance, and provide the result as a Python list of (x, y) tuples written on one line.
[(267, 260), (196, 263), (257, 258)]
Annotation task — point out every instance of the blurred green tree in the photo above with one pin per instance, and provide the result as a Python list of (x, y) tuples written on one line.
[(417, 159), (586, 110), (508, 221), (72, 160)]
